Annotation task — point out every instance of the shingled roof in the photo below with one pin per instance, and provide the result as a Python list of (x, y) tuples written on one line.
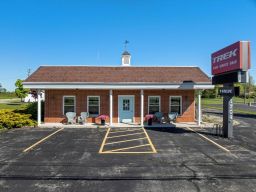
[(100, 74)]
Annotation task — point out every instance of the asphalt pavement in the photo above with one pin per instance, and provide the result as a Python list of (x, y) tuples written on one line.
[(70, 160)]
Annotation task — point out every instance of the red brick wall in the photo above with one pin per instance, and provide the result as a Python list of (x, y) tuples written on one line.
[(188, 103), (54, 103)]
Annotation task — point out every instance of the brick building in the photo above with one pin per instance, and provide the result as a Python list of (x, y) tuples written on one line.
[(125, 93)]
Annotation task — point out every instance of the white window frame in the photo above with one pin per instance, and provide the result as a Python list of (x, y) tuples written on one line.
[(180, 103), (88, 104), (63, 103), (159, 101)]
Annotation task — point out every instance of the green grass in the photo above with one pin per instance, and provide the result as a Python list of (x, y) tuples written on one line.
[(235, 110), (8, 95), (219, 100), (13, 105)]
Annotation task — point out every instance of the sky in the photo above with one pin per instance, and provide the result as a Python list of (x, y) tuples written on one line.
[(92, 32)]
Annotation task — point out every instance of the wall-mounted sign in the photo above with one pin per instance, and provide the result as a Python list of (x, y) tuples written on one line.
[(227, 91), (231, 58)]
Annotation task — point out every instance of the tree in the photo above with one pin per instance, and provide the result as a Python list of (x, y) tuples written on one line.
[(211, 93), (2, 90), (251, 86), (20, 91)]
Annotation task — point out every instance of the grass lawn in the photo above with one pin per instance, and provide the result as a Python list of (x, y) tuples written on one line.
[(13, 105), (8, 96), (219, 100), (235, 110), (206, 103)]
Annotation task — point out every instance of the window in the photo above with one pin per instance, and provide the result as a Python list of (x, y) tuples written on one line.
[(69, 104), (93, 105), (126, 104), (176, 104), (153, 104)]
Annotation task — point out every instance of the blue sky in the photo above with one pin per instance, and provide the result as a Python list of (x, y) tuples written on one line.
[(92, 32)]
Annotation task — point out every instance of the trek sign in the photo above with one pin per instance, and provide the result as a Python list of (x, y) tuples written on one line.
[(227, 91), (234, 57), (230, 65)]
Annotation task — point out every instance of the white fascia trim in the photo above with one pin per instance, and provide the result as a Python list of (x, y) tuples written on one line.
[(116, 86), (204, 87)]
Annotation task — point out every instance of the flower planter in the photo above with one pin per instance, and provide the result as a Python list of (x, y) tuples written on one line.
[(103, 122), (102, 119), (149, 118), (150, 121)]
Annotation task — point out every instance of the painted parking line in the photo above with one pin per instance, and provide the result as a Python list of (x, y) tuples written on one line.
[(211, 141), (124, 141), (125, 148), (42, 140), (124, 135), (104, 141), (150, 142), (125, 130), (127, 152)]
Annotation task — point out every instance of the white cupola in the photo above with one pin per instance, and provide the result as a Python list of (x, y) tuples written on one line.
[(126, 59)]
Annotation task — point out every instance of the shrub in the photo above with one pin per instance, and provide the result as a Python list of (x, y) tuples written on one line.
[(31, 109), (10, 119)]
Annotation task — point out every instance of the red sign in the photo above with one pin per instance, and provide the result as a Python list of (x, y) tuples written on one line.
[(232, 58)]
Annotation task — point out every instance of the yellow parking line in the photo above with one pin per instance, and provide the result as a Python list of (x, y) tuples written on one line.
[(124, 135), (150, 142), (104, 141), (121, 149), (126, 141), (211, 141), (128, 152), (40, 141), (124, 130)]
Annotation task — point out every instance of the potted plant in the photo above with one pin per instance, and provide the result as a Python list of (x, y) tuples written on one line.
[(103, 119), (149, 118)]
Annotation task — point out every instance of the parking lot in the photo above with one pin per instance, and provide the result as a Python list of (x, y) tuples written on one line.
[(123, 159)]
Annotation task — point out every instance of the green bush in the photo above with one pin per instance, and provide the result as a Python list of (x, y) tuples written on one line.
[(10, 119), (31, 109)]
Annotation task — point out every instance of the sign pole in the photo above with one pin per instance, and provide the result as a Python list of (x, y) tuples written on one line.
[(228, 113)]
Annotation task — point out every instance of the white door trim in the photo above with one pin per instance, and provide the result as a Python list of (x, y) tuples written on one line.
[(133, 105)]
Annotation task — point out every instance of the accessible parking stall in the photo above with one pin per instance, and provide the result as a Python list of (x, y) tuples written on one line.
[(127, 140)]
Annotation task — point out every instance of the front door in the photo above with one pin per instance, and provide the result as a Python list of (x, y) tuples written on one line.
[(125, 108)]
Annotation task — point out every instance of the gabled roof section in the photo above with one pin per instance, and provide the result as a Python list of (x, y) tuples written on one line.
[(119, 75)]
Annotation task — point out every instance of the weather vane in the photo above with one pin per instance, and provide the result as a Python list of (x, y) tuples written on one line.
[(125, 44)]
